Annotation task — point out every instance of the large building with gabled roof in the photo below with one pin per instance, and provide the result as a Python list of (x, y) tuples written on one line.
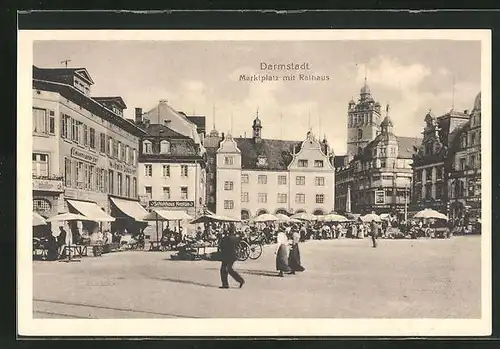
[(258, 175), (172, 160)]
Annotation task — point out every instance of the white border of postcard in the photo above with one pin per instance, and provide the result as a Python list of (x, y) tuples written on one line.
[(29, 326)]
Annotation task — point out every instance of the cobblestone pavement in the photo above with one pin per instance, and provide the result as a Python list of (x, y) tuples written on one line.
[(343, 279)]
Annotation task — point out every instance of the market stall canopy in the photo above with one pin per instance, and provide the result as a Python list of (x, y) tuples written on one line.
[(385, 216), (164, 215), (429, 213), (91, 211), (62, 217), (333, 218), (282, 217), (304, 216), (265, 217), (208, 218), (370, 217), (38, 219), (130, 208)]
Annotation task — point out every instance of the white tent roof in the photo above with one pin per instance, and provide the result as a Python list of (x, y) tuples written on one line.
[(164, 215), (91, 211)]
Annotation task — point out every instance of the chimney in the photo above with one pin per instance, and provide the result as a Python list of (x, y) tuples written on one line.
[(138, 115)]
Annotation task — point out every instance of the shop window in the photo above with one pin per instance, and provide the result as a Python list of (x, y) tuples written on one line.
[(41, 206)]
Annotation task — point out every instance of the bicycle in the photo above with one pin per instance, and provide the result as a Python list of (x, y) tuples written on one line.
[(249, 248)]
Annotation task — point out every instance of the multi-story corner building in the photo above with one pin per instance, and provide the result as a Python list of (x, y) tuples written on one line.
[(464, 182), (382, 173), (376, 173), (172, 162), (258, 175), (431, 162), (84, 151)]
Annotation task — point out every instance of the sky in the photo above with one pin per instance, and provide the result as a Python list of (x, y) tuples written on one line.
[(200, 77)]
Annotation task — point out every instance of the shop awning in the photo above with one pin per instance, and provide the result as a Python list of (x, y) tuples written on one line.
[(91, 211), (130, 208), (163, 215)]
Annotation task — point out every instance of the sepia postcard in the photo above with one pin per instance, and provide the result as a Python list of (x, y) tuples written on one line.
[(254, 183)]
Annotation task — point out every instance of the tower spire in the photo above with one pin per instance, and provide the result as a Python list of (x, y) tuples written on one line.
[(453, 94), (366, 73), (281, 125), (213, 116)]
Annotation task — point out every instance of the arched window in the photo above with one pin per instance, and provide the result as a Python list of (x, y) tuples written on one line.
[(261, 211), (360, 133), (245, 215), (318, 212), (147, 147), (281, 211), (164, 147)]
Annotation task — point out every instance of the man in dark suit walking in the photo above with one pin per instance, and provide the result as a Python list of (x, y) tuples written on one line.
[(374, 233), (228, 247)]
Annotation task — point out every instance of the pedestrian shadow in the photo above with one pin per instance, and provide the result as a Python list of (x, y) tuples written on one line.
[(187, 282), (259, 272), (252, 272)]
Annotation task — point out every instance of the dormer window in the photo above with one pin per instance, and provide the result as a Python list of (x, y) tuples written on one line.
[(261, 161), (164, 147), (147, 147)]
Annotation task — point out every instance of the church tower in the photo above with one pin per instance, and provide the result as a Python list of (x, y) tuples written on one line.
[(257, 129), (363, 121)]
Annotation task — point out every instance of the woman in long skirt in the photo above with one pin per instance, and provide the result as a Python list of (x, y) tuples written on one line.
[(282, 254), (294, 256)]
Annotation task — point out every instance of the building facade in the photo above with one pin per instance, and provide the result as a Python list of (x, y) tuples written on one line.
[(257, 175), (464, 182), (84, 151), (363, 121), (172, 165), (432, 163), (375, 174)]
